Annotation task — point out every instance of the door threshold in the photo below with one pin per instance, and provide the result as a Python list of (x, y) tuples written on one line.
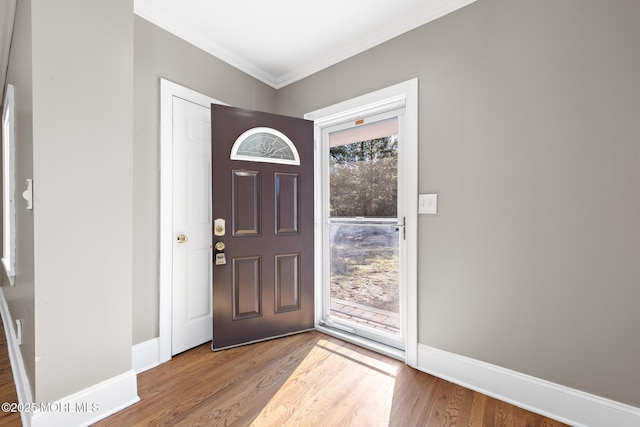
[(384, 349), (260, 340)]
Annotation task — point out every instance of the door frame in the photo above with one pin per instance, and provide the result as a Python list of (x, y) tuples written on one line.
[(168, 90), (401, 95)]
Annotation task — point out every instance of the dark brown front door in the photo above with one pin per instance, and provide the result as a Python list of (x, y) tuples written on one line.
[(263, 280)]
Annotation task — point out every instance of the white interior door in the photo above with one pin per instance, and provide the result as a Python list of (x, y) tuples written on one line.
[(191, 308)]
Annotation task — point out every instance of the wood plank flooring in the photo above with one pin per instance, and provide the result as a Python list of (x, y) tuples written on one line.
[(309, 379), (7, 386)]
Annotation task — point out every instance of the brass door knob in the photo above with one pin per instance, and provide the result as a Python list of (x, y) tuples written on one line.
[(220, 246), (182, 238)]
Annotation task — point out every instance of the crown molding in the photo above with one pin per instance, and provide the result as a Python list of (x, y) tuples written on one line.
[(167, 23), (434, 10)]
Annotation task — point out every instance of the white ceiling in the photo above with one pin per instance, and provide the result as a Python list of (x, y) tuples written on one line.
[(282, 41)]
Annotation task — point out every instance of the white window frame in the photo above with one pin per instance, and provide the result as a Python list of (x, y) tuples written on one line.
[(8, 185), (396, 341), (403, 95)]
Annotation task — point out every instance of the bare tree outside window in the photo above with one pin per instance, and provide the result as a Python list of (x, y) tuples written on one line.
[(364, 179)]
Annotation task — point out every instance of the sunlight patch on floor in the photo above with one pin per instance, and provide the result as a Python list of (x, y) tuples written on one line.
[(347, 375)]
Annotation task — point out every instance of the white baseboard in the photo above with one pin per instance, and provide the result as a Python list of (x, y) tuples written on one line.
[(552, 400), (145, 355), (91, 404), (23, 388), (80, 409)]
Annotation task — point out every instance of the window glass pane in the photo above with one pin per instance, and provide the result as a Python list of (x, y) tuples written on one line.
[(365, 274), (267, 145), (364, 178)]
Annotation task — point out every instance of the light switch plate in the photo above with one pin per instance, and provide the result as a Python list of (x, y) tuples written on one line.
[(428, 204)]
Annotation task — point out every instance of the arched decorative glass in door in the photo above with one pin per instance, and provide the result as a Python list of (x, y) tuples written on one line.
[(266, 145)]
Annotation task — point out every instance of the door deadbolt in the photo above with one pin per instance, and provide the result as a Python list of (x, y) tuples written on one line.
[(218, 226), (182, 238)]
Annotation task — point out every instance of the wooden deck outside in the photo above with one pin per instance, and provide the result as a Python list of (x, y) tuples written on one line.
[(370, 316)]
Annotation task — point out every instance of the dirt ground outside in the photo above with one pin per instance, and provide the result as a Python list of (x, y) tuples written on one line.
[(365, 267)]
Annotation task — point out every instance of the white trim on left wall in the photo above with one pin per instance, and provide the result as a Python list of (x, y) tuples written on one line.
[(79, 409), (23, 388), (90, 405), (168, 90)]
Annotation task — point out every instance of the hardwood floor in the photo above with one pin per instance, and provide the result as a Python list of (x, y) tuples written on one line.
[(7, 387), (309, 379)]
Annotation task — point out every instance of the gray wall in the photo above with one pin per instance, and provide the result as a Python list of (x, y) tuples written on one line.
[(82, 77), (20, 298), (73, 78), (529, 132), (160, 54)]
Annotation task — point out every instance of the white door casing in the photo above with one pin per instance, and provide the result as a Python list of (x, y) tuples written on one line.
[(191, 314), (169, 301), (402, 95)]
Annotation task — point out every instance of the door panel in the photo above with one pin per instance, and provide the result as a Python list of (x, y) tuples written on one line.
[(265, 289), (192, 269), (247, 292), (245, 202), (286, 203), (287, 284), (198, 304)]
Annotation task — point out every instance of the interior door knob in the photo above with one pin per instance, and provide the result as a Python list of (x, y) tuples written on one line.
[(182, 238)]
